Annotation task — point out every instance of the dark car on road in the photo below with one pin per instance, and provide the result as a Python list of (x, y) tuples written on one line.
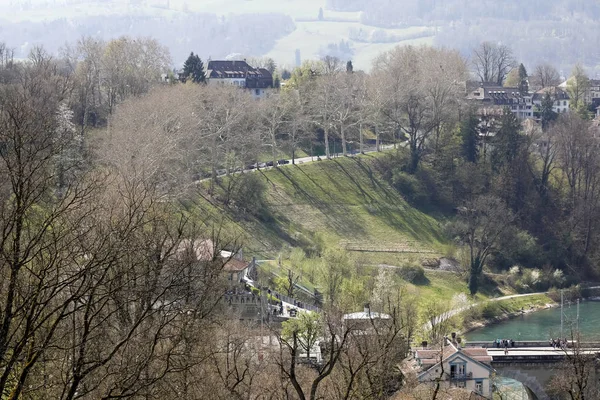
[(269, 163), (283, 162)]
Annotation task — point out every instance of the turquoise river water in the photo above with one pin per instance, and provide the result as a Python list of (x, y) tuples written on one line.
[(540, 325), (545, 324)]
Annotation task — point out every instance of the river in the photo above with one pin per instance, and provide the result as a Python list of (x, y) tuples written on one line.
[(545, 324)]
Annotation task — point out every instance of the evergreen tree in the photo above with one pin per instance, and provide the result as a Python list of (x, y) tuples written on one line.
[(349, 67), (193, 69), (507, 142), (523, 84), (470, 137), (547, 114)]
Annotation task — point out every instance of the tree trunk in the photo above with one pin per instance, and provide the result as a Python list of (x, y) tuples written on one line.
[(326, 133), (343, 135), (273, 149), (360, 133)]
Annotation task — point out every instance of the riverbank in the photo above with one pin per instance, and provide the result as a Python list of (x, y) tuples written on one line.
[(497, 311), (545, 324)]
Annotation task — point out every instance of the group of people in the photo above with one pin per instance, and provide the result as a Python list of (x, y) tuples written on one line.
[(558, 343), (505, 344)]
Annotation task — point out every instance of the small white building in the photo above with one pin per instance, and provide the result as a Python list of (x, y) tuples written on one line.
[(468, 368), (367, 320)]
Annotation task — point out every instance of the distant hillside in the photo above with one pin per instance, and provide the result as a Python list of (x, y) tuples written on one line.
[(561, 32), (341, 202)]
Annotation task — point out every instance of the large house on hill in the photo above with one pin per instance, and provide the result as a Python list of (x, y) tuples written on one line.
[(238, 73), (491, 99)]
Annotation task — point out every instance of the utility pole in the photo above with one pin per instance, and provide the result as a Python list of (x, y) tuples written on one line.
[(561, 313), (577, 315)]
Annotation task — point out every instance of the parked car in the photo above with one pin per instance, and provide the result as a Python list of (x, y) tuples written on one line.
[(269, 163), (221, 172), (283, 162), (262, 165), (251, 166)]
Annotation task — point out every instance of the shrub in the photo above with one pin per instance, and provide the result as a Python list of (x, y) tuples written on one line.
[(472, 314), (413, 273), (249, 196), (570, 294), (491, 309), (558, 278), (410, 188)]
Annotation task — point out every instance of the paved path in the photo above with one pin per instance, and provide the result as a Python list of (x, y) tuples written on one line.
[(305, 160)]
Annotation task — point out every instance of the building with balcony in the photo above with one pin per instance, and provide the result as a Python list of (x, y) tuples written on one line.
[(468, 368)]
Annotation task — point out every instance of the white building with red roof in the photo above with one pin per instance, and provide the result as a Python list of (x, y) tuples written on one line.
[(468, 368)]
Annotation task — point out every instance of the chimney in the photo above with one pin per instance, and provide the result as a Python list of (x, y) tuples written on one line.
[(368, 309)]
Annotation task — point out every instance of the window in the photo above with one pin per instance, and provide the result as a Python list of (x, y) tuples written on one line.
[(257, 92), (461, 384), (479, 386), (564, 103), (458, 370)]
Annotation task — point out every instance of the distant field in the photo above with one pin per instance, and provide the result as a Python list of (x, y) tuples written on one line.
[(311, 37)]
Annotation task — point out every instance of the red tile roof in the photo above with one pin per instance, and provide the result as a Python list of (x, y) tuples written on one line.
[(235, 265)]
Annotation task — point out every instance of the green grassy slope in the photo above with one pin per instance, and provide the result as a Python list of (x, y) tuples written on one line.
[(341, 202)]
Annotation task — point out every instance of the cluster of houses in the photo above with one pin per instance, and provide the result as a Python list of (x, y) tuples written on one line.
[(492, 99)]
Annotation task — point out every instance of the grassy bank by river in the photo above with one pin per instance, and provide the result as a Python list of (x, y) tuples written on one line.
[(491, 312)]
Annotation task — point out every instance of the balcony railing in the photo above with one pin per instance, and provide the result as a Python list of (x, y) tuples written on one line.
[(457, 376)]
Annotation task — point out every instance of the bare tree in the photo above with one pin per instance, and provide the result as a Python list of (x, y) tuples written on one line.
[(40, 285), (323, 105), (576, 379), (577, 86), (336, 337), (545, 75), (480, 226), (346, 112), (416, 103), (492, 62), (332, 65), (129, 67), (580, 166), (273, 112)]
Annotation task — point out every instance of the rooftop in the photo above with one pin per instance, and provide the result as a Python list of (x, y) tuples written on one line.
[(430, 357)]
